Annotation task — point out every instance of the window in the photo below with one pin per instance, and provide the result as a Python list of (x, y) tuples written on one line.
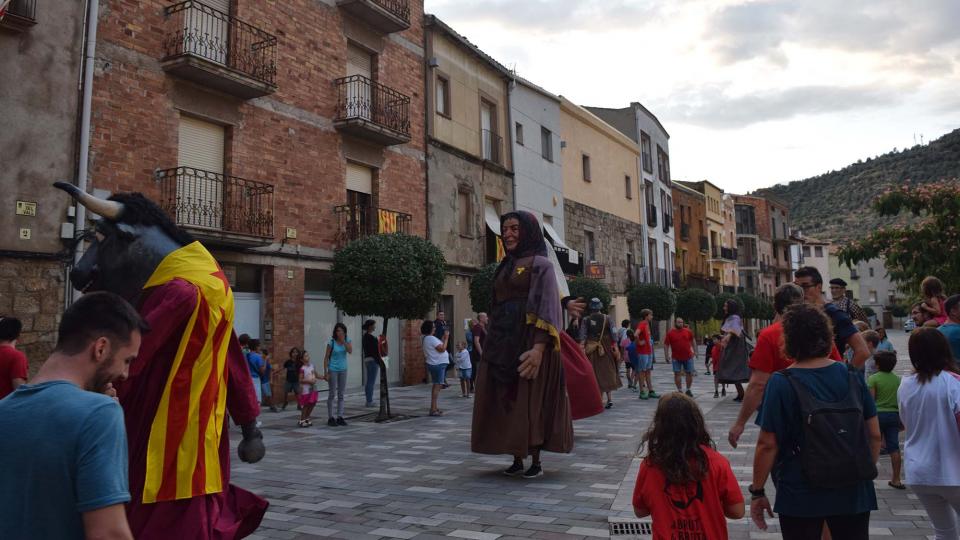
[(645, 148), (586, 168), (818, 251), (871, 274), (489, 139), (663, 165), (519, 133), (465, 213), (443, 96), (873, 295), (806, 251), (591, 246), (628, 186), (548, 220), (546, 144)]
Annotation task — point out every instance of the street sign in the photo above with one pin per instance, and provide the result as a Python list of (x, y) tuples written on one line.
[(595, 271)]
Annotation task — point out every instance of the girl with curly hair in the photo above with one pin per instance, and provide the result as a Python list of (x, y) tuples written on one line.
[(684, 483)]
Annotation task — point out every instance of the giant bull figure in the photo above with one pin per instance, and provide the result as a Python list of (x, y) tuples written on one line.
[(189, 373)]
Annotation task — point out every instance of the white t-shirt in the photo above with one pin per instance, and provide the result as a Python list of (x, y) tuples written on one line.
[(463, 360), (434, 357), (307, 371), (929, 412)]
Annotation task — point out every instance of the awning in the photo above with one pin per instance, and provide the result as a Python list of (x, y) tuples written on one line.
[(553, 237), (492, 219)]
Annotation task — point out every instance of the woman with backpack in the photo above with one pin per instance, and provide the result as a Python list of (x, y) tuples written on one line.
[(929, 403), (820, 437)]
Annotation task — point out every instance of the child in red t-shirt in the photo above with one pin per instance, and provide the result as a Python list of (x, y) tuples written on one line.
[(683, 483), (715, 354)]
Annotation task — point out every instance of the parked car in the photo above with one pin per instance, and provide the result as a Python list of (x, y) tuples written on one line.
[(909, 325)]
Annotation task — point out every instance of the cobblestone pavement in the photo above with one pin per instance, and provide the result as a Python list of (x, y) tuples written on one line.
[(417, 478)]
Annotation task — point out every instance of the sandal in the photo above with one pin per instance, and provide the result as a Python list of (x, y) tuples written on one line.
[(896, 486)]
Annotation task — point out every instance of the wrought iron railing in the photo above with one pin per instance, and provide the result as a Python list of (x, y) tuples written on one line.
[(684, 231), (651, 215), (355, 221), (667, 222), (209, 200), (196, 29), (26, 9), (728, 253), (397, 8), (492, 146), (704, 243), (359, 98)]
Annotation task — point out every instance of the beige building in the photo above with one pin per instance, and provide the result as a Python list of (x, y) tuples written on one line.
[(469, 160), (730, 274), (602, 201), (722, 253)]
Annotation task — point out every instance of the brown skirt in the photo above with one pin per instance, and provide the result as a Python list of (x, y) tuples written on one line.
[(604, 367), (517, 419)]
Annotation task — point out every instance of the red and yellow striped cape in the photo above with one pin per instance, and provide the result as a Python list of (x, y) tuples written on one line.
[(183, 458)]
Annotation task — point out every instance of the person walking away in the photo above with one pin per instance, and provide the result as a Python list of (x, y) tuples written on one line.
[(819, 436), (64, 441), (435, 355), (684, 483), (933, 301), (307, 399), (371, 360), (521, 407), (735, 354), (680, 346), (838, 295), (768, 358), (292, 381), (596, 336), (335, 373), (845, 333), (464, 368), (13, 363), (883, 387), (644, 343), (951, 328), (255, 362), (929, 403)]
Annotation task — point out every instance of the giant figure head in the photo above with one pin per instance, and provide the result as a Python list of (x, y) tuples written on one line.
[(131, 239)]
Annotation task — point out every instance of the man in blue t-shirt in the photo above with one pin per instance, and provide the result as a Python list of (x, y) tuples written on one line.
[(951, 328), (64, 445)]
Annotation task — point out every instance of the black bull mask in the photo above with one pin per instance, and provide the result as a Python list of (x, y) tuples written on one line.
[(124, 251)]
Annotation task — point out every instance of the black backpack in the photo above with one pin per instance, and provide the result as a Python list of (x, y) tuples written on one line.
[(835, 452)]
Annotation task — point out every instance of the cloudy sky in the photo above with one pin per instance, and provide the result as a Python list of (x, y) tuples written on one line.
[(753, 93)]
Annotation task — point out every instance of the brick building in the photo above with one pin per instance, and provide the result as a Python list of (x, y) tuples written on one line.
[(764, 242), (275, 132)]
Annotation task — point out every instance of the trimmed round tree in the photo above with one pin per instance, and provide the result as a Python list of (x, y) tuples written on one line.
[(695, 305), (587, 288), (651, 296), (481, 288), (751, 305), (394, 276), (721, 299)]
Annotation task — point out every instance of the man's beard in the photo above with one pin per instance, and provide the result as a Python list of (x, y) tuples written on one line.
[(102, 377)]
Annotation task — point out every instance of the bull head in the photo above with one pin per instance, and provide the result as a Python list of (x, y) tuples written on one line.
[(122, 254)]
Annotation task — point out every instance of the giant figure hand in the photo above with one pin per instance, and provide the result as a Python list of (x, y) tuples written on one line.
[(251, 449)]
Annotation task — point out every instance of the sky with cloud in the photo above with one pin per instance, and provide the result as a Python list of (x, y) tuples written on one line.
[(753, 93)]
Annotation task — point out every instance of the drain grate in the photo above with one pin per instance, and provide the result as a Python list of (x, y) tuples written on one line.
[(372, 417), (632, 529)]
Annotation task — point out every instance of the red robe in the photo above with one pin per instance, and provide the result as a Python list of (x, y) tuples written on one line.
[(582, 388), (231, 513)]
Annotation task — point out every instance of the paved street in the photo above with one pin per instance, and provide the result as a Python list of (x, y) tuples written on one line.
[(417, 478)]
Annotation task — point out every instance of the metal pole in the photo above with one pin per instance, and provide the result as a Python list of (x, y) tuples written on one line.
[(93, 12)]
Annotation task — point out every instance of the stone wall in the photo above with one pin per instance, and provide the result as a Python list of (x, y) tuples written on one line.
[(32, 290), (611, 234)]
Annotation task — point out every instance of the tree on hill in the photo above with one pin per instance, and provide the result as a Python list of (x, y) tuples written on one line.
[(930, 248), (394, 276)]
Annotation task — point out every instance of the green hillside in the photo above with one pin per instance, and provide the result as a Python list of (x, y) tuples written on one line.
[(836, 205)]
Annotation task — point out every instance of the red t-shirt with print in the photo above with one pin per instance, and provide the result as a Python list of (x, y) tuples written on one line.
[(693, 510), (642, 337), (768, 354), (678, 339), (13, 365)]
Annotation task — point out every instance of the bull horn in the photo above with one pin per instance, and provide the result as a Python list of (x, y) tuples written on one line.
[(108, 209)]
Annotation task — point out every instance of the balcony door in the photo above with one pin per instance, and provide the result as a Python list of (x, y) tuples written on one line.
[(488, 129), (200, 189), (359, 62), (360, 200), (207, 34)]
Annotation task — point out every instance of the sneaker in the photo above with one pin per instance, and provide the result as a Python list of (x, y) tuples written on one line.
[(534, 471), (689, 393), (707, 372), (723, 392), (716, 395), (331, 422), (514, 469), (273, 409), (738, 399), (341, 421), (609, 405), (644, 395), (653, 395)]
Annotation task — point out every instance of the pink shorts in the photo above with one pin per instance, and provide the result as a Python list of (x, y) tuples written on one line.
[(307, 399)]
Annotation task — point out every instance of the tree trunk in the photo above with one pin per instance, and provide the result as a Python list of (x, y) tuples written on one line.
[(384, 413)]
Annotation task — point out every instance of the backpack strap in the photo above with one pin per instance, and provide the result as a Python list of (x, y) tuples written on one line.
[(804, 399)]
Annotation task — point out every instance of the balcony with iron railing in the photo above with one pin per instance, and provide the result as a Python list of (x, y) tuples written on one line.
[(704, 244), (667, 222), (651, 215), (684, 231), (215, 49), (370, 110), (492, 146), (355, 221), (218, 208), (19, 15), (387, 16)]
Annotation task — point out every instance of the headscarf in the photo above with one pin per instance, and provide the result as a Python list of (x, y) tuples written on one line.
[(531, 241)]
